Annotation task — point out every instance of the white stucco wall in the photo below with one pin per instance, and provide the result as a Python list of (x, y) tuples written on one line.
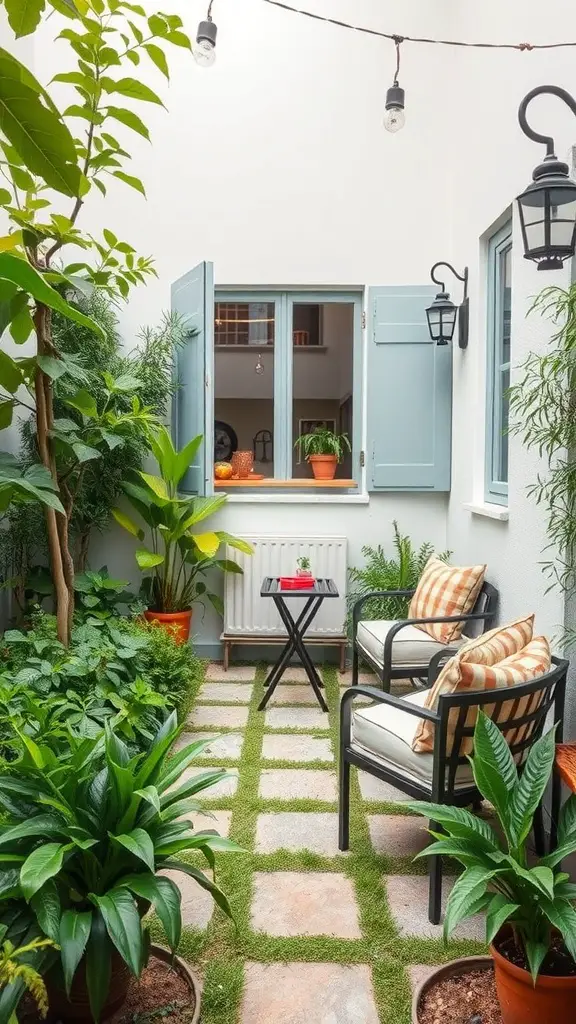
[(274, 165)]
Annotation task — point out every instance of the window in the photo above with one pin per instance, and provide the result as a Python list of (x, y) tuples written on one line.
[(498, 367), (284, 365)]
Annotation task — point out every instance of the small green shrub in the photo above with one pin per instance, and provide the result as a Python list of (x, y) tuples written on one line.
[(382, 573), (172, 669)]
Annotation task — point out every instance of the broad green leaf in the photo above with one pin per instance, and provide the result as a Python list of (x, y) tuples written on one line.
[(22, 325), (24, 15), (127, 523), (179, 39), (207, 543), (185, 457), (98, 956), (468, 888), (35, 129), (529, 790), (499, 910), (41, 865), (84, 402), (129, 179), (535, 952), (492, 786), (148, 559), (6, 414), (74, 931), (52, 367), (217, 895), (21, 273), (200, 782), (457, 821), (10, 373), (150, 795), (139, 844), (156, 484), (84, 453), (236, 542), (133, 88), (166, 899), (216, 602), (43, 825), (567, 820), (545, 879), (130, 119), (491, 746), (563, 917), (5, 199), (46, 905), (123, 925), (158, 57)]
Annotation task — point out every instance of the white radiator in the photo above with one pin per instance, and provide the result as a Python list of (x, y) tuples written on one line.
[(246, 614)]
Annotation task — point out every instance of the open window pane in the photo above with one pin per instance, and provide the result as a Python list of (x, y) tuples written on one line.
[(323, 350), (498, 378), (244, 335)]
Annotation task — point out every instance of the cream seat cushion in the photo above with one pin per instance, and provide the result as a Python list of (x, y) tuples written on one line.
[(385, 734), (411, 646)]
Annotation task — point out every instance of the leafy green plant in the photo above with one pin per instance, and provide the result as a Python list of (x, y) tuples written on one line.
[(180, 558), (14, 969), (85, 839), (380, 572), (41, 151), (101, 597), (303, 563), (323, 442), (497, 879), (171, 668)]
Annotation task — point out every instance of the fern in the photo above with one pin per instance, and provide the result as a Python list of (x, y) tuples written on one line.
[(401, 572)]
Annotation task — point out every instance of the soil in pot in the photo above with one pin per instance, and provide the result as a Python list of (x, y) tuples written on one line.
[(463, 999)]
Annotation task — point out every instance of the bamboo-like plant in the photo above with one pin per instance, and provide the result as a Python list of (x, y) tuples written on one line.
[(180, 557)]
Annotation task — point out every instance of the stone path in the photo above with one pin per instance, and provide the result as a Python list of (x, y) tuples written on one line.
[(324, 937)]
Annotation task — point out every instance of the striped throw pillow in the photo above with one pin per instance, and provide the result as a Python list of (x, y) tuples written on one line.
[(445, 590), (532, 661)]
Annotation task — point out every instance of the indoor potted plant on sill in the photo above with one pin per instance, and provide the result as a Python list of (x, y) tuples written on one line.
[(530, 914), (179, 558), (323, 449), (84, 839)]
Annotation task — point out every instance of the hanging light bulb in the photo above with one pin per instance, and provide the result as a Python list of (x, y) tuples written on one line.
[(394, 118), (259, 368), (204, 49)]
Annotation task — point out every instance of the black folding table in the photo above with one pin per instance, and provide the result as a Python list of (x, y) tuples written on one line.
[(296, 629)]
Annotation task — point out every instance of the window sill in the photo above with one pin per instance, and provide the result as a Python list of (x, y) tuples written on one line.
[(266, 346), (287, 485), (498, 512)]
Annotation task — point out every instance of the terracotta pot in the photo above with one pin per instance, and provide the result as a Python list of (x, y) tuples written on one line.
[(451, 970), (175, 623), (550, 1001), (323, 466), (186, 972), (242, 463), (76, 1010)]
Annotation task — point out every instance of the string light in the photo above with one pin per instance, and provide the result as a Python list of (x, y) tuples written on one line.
[(394, 118), (204, 49), (418, 39)]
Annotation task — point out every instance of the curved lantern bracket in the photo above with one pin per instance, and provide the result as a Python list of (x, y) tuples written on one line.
[(541, 90)]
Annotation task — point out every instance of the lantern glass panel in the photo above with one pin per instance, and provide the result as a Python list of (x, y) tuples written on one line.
[(433, 315), (448, 322)]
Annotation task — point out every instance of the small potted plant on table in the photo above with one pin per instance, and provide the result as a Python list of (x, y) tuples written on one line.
[(323, 449), (530, 914), (303, 571)]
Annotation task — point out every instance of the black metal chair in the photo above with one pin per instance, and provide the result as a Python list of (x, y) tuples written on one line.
[(443, 776), (375, 643)]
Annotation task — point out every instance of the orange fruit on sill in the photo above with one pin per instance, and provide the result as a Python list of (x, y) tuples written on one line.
[(223, 470)]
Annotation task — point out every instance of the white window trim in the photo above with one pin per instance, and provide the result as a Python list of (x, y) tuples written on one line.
[(495, 491)]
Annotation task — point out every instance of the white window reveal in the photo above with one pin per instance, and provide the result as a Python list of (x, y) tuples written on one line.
[(499, 293)]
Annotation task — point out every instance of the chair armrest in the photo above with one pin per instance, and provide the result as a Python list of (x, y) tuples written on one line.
[(436, 663), (380, 698), (358, 605), (395, 629)]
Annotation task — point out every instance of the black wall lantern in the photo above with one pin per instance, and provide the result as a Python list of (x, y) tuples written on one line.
[(548, 206), (442, 314)]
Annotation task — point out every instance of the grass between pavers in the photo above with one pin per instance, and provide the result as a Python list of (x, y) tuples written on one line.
[(221, 951)]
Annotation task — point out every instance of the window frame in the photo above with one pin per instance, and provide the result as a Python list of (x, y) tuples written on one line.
[(499, 244), (284, 300)]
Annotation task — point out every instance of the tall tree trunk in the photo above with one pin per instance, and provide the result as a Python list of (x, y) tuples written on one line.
[(56, 523)]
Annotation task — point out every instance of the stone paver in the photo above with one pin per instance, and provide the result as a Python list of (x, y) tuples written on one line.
[(397, 835), (364, 678), (227, 787), (218, 717), (217, 820), (419, 973), (316, 831), (197, 903), (235, 674), (233, 693), (228, 746), (296, 674), (308, 993), (287, 694), (296, 718), (298, 784), (304, 903), (408, 902), (375, 791), (277, 747)]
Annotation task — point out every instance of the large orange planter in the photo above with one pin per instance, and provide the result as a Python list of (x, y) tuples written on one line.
[(176, 623), (550, 1001), (323, 466)]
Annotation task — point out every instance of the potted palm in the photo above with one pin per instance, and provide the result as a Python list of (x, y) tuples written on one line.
[(84, 839), (530, 914), (323, 449), (180, 557)]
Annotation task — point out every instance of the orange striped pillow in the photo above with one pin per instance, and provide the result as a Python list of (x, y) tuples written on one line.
[(445, 590), (498, 643), (532, 661)]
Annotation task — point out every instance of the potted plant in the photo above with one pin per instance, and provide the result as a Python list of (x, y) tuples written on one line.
[(84, 839), (323, 449), (179, 558), (530, 914), (303, 570)]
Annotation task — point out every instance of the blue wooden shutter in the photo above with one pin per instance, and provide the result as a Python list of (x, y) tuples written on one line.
[(409, 394), (193, 298)]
